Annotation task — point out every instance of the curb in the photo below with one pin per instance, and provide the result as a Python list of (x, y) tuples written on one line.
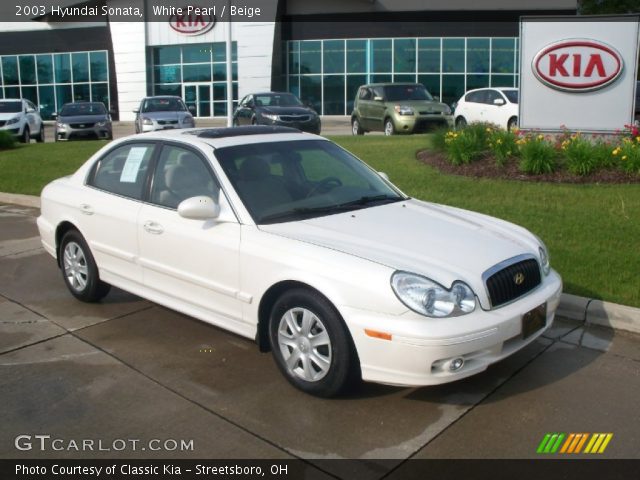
[(588, 310)]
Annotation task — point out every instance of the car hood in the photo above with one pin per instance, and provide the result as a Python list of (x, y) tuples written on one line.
[(83, 119), (423, 105), (439, 242), (287, 110), (9, 116)]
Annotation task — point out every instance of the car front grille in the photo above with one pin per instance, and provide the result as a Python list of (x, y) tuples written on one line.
[(512, 281), (430, 113), (167, 122), (294, 118), (81, 125)]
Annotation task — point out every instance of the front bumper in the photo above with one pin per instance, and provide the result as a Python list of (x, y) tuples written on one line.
[(13, 129), (166, 125), (421, 348), (98, 132), (421, 123), (310, 126)]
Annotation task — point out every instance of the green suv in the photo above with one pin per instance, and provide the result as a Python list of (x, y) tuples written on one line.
[(397, 108)]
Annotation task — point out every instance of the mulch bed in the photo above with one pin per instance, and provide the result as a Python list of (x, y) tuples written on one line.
[(486, 168)]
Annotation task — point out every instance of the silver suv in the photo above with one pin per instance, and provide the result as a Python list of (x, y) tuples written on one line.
[(21, 118)]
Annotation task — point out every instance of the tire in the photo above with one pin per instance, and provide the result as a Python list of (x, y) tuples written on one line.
[(137, 128), (389, 127), (512, 123), (79, 269), (298, 318), (461, 122), (356, 128), (26, 135), (40, 138)]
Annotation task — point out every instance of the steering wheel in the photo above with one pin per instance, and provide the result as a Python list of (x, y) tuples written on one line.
[(327, 184)]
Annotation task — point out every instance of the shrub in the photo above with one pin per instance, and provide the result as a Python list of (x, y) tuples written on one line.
[(7, 140), (537, 155), (438, 140), (629, 154), (502, 144), (579, 155), (466, 145)]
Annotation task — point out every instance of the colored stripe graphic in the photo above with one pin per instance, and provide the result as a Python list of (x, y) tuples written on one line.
[(573, 443)]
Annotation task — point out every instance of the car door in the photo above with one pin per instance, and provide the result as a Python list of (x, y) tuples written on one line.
[(377, 109), (492, 113), (109, 207), (365, 96), (191, 265), (32, 118), (245, 111), (473, 105)]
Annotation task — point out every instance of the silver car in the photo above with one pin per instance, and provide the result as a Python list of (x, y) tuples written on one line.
[(162, 113), (83, 120)]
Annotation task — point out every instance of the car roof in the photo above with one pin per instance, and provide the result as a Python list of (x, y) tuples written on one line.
[(162, 96), (390, 84), (11, 99), (272, 93), (230, 136)]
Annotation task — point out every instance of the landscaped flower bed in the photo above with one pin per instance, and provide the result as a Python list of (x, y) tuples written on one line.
[(485, 150)]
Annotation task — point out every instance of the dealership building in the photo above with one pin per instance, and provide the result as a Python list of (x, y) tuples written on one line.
[(319, 50)]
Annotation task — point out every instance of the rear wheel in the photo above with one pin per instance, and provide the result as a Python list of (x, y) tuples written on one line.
[(389, 127), (26, 135), (79, 269), (356, 128), (512, 123), (311, 345)]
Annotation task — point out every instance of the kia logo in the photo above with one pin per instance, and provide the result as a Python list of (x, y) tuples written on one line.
[(577, 65), (192, 23)]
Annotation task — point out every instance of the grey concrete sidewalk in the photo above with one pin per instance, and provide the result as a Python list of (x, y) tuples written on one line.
[(128, 369)]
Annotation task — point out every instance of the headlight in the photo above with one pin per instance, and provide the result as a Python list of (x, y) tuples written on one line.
[(429, 298), (403, 110), (147, 121), (101, 124), (187, 119), (60, 125), (271, 116), (11, 121), (447, 110), (544, 259)]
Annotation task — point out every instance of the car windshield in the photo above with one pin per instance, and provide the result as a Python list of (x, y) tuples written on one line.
[(294, 180), (512, 95), (77, 109), (278, 100), (10, 107), (163, 105), (396, 93)]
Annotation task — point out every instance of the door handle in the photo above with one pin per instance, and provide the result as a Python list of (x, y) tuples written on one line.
[(153, 227), (86, 209)]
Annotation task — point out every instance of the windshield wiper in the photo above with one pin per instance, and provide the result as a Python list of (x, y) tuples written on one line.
[(368, 199)]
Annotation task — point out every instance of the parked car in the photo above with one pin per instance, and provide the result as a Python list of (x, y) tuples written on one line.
[(162, 113), (21, 118), (397, 108), (498, 106), (286, 238), (83, 120), (276, 108)]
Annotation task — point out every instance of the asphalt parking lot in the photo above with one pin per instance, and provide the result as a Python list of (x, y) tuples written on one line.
[(129, 369)]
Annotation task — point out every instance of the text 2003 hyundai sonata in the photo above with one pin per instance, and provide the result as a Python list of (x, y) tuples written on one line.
[(288, 239)]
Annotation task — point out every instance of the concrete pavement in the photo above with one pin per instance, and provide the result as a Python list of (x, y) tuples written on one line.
[(129, 369)]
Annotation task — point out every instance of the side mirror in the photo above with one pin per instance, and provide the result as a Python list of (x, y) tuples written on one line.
[(377, 99), (199, 208), (436, 99), (31, 110), (54, 115), (191, 109), (136, 111), (384, 175), (499, 102)]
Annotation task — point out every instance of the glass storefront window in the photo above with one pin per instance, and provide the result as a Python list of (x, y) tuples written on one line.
[(353, 83), (333, 56), (478, 55), (44, 68), (311, 90), (47, 100), (220, 72), (169, 90), (431, 83), (196, 54), (62, 70), (167, 74), (100, 93), (502, 80), (166, 55), (197, 73), (30, 93), (405, 78), (294, 58), (404, 55), (81, 92), (10, 71), (502, 55), (452, 88), (12, 92), (452, 55), (98, 64), (27, 69), (310, 59), (477, 81), (429, 55), (80, 66), (356, 56), (380, 55), (63, 95), (333, 95)]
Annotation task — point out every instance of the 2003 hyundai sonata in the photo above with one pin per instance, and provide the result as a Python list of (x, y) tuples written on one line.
[(288, 239)]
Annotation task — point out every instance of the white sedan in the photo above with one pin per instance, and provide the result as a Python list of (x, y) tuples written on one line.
[(498, 106), (285, 238)]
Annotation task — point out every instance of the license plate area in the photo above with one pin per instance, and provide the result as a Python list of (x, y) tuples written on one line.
[(534, 320)]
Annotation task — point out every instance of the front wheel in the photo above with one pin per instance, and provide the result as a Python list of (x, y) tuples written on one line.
[(26, 135), (311, 345), (512, 123), (356, 128), (40, 138), (79, 269), (461, 122), (389, 128)]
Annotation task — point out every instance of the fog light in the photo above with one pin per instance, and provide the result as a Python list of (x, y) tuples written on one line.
[(456, 364)]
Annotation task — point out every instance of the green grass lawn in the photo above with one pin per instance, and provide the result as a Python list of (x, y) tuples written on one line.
[(592, 231)]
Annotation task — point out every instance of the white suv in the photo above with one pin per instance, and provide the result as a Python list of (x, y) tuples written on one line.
[(21, 118), (491, 105)]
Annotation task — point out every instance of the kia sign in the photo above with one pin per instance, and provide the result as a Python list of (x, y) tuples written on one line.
[(192, 21), (578, 72), (577, 65)]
